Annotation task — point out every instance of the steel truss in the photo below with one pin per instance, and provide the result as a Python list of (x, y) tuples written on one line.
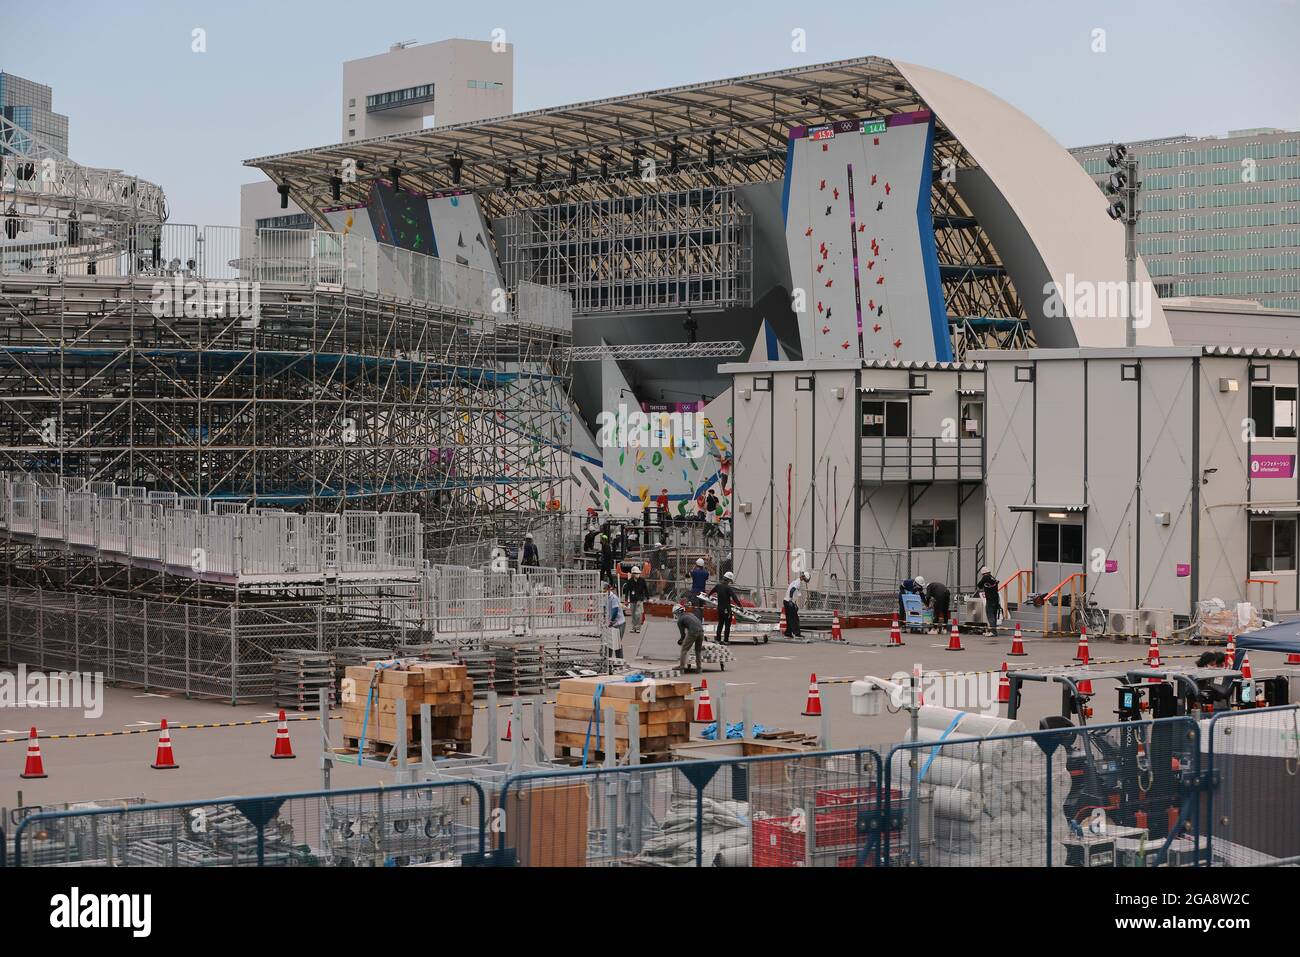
[(669, 250), (331, 399)]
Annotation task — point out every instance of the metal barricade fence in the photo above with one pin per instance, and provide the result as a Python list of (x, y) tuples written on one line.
[(430, 823), (1252, 804), (784, 810), (1123, 794)]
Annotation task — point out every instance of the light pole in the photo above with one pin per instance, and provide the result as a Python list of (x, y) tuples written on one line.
[(1123, 188)]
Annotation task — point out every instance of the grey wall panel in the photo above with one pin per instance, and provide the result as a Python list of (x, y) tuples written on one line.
[(1112, 483), (752, 480), (1166, 459), (1223, 565), (1008, 416)]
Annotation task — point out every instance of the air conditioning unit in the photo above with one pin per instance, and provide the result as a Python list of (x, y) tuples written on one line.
[(1159, 620), (1123, 621)]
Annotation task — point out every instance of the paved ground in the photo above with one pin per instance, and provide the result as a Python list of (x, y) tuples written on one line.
[(235, 760)]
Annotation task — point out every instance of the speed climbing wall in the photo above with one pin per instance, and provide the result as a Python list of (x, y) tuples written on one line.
[(860, 236)]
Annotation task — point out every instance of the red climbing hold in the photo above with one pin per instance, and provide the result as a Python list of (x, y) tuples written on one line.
[(836, 193), (880, 280), (825, 329), (870, 263), (819, 306), (828, 283), (808, 231), (820, 266), (844, 344), (897, 343), (876, 327), (886, 189), (822, 186), (873, 179)]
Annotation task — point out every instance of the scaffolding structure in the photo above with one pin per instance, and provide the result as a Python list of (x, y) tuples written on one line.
[(298, 376), (638, 253)]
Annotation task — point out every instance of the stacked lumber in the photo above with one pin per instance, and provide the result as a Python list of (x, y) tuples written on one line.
[(663, 714), (443, 686)]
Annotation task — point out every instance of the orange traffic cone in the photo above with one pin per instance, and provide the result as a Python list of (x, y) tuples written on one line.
[(704, 705), (784, 626), (1085, 686), (954, 638), (813, 708), (1230, 651), (1081, 653), (836, 633), (283, 748), (895, 634), (1153, 657), (35, 767), (1004, 686), (1017, 644), (165, 760), (1249, 694)]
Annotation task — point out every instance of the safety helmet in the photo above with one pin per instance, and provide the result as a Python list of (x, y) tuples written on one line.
[(528, 534), (636, 569), (919, 580), (678, 609), (805, 576), (984, 570), (729, 576)]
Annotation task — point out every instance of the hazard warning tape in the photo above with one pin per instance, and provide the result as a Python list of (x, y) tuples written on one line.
[(170, 727)]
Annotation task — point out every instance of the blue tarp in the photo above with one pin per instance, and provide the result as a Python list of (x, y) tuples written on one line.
[(1283, 637)]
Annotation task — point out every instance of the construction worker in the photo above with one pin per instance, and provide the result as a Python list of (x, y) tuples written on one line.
[(691, 632), (711, 502), (661, 503), (936, 596), (793, 596), (606, 560), (699, 581), (907, 587), (636, 592), (992, 605), (617, 621), (725, 593), (530, 558)]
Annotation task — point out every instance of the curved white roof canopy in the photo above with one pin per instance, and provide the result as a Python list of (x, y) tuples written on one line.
[(1044, 215)]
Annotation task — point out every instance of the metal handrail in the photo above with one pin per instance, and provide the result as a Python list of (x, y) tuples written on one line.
[(1073, 581), (1024, 579)]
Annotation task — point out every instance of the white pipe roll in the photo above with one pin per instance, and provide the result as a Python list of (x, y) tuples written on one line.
[(956, 804), (943, 770), (969, 725), (961, 748)]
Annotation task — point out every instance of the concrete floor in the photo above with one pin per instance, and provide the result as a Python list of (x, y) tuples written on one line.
[(218, 762)]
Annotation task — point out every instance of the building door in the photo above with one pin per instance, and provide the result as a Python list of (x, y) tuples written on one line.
[(1058, 551)]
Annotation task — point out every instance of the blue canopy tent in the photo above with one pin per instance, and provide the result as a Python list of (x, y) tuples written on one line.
[(1283, 637)]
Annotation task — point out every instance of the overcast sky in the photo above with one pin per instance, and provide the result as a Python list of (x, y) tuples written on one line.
[(140, 100)]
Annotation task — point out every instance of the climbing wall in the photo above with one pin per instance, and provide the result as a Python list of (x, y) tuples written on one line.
[(861, 240)]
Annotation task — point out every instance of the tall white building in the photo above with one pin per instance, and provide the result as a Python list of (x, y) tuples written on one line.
[(451, 81)]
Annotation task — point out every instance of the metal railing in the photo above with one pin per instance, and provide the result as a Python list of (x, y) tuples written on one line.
[(776, 810), (178, 253), (203, 538), (428, 823), (922, 458)]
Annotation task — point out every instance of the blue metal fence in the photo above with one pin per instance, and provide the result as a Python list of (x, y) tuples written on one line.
[(1222, 791), (399, 825)]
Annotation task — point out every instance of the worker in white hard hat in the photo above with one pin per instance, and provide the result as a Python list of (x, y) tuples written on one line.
[(636, 592), (616, 621), (992, 603), (793, 598), (725, 593), (699, 582), (529, 558)]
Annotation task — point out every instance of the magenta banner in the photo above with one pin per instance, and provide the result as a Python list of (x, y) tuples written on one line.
[(1272, 466)]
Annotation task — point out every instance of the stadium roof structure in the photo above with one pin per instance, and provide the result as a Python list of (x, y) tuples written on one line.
[(1017, 218), (744, 121)]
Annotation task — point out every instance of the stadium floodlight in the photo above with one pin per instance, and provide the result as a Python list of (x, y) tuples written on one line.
[(1118, 152), (1116, 183), (283, 190), (1116, 209), (456, 163)]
